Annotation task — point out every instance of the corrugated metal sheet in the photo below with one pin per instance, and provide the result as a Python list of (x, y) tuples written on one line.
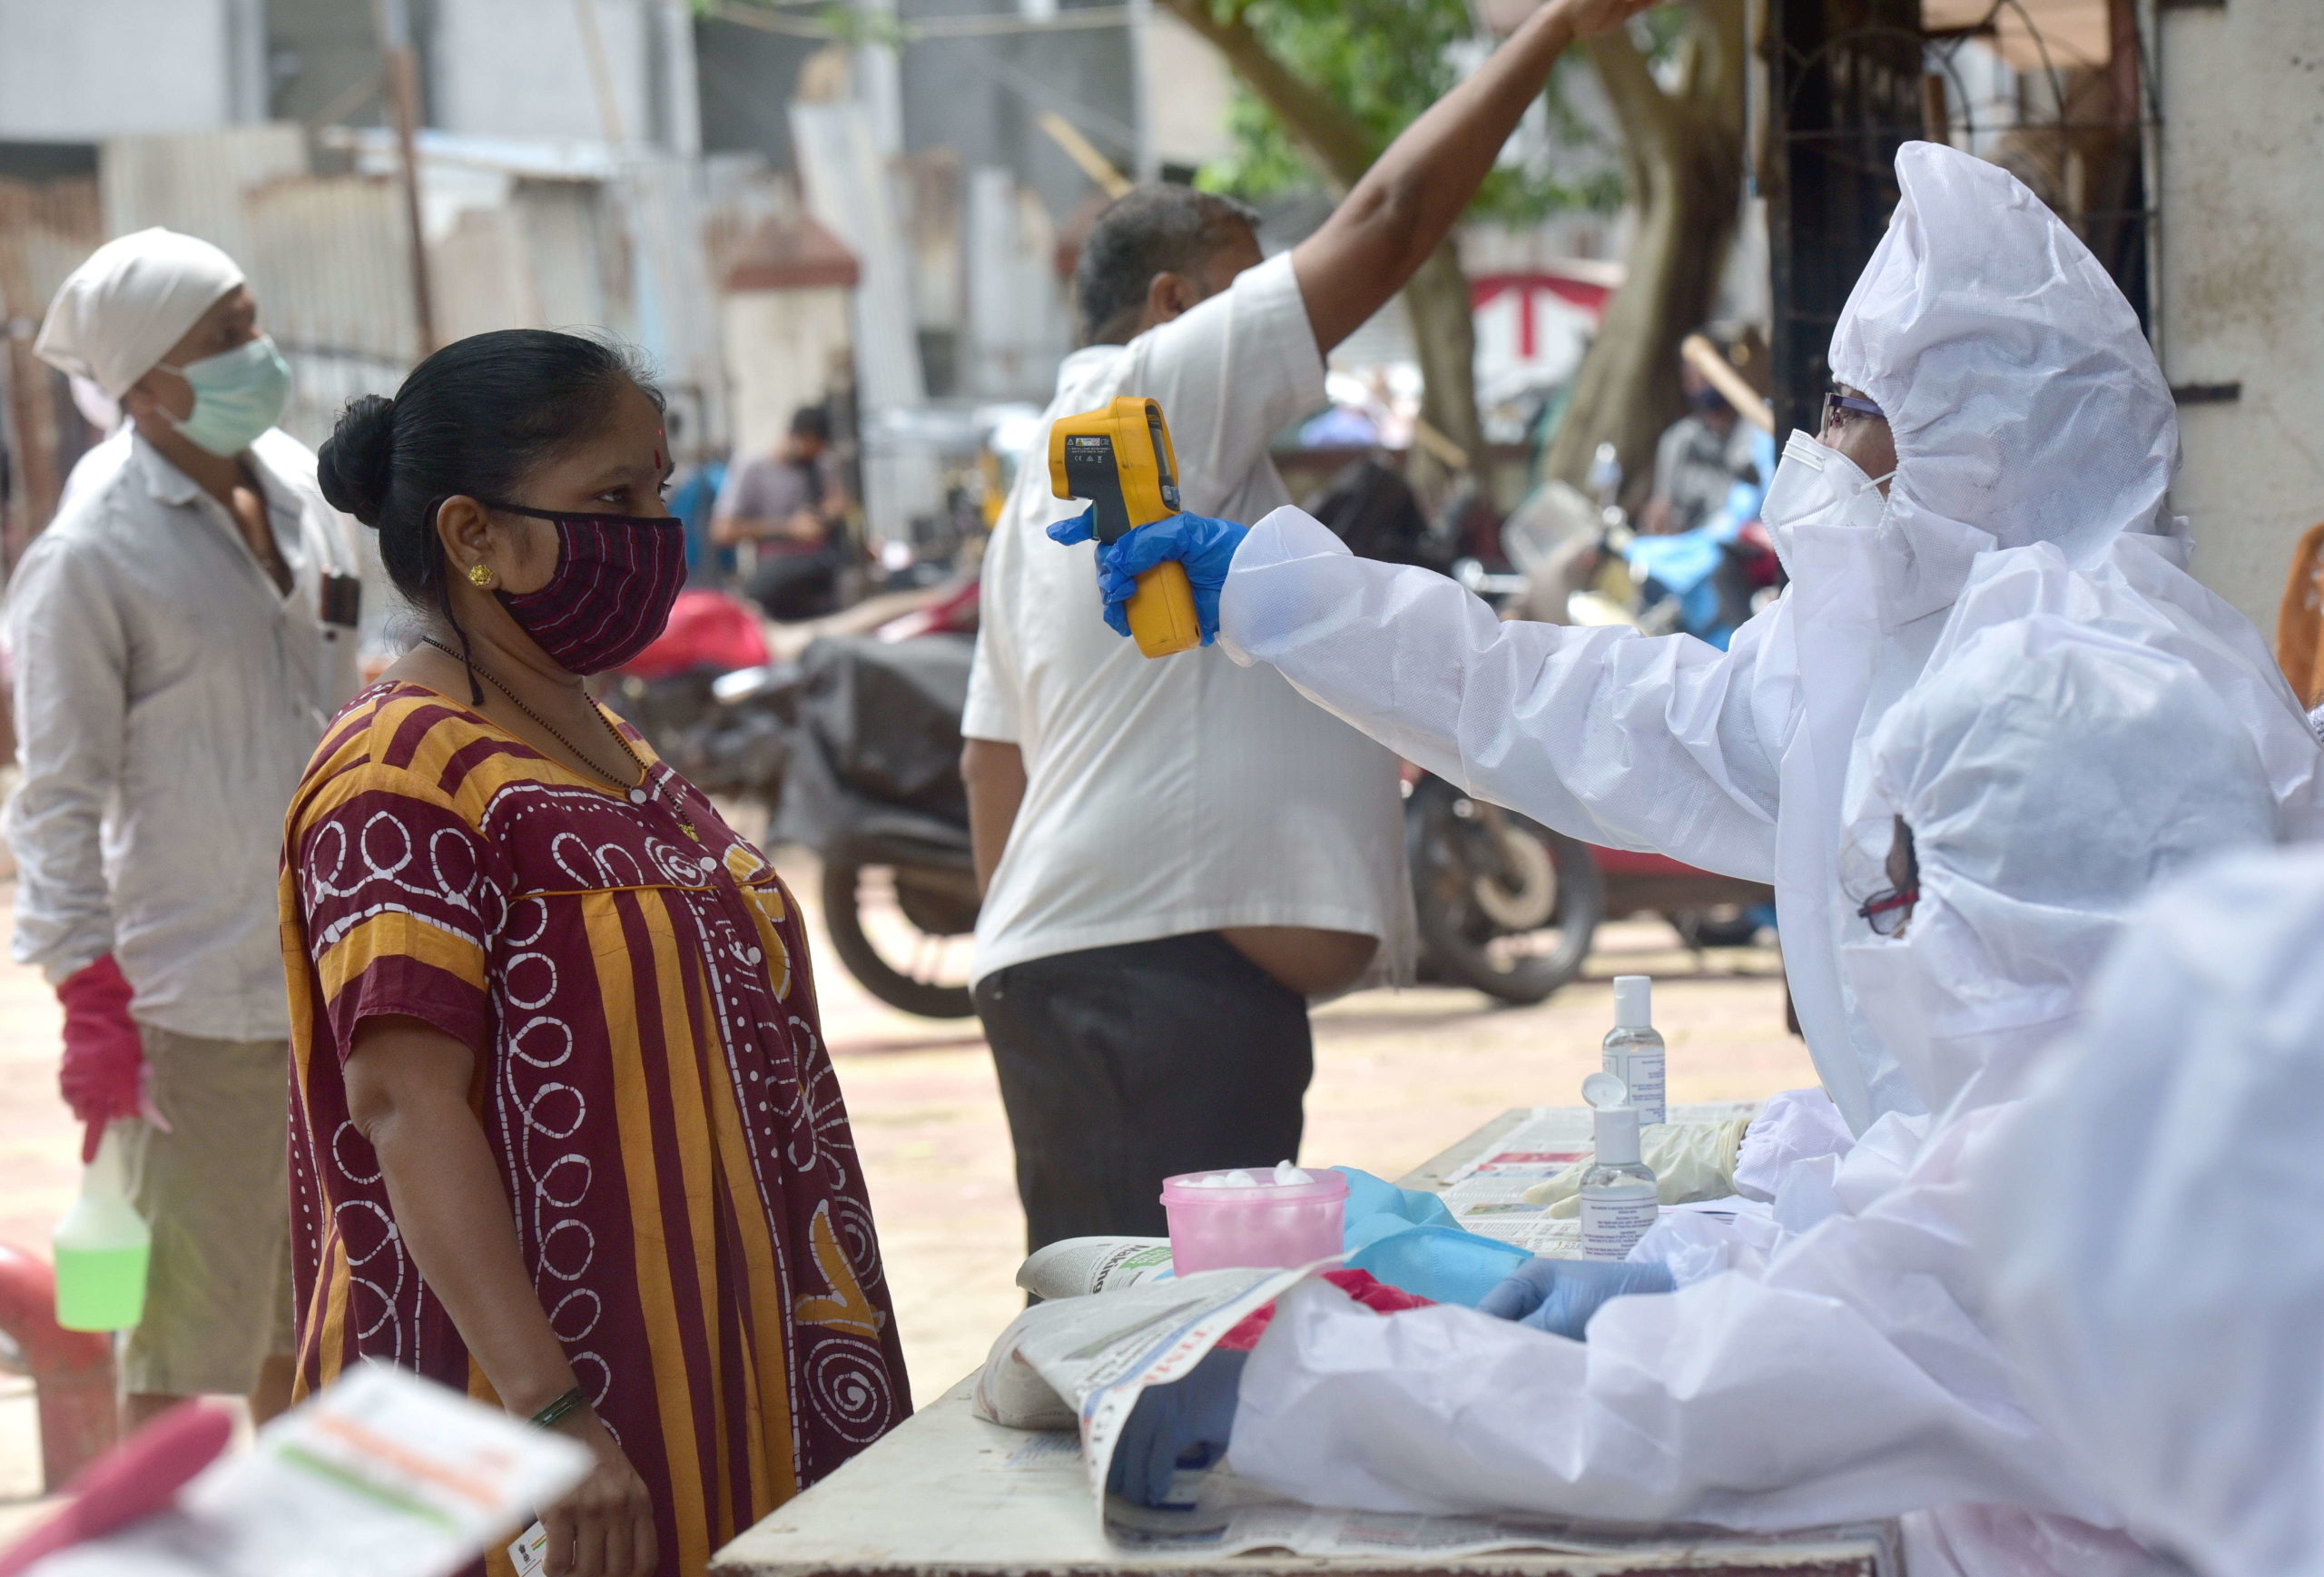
[(675, 297), (46, 229), (194, 180), (330, 266)]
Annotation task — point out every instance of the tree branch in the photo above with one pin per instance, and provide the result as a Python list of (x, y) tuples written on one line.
[(1645, 112), (1712, 74), (1334, 139)]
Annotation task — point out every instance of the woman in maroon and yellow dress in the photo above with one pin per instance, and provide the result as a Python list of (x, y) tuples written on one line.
[(564, 1132)]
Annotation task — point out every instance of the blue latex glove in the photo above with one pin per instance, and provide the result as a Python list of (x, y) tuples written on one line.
[(1376, 1207), (1558, 1296), (1441, 1263), (1205, 546), (1183, 1425)]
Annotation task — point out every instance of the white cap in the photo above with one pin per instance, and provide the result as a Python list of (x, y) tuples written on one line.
[(1613, 1118), (1633, 1001), (1617, 1135), (117, 314)]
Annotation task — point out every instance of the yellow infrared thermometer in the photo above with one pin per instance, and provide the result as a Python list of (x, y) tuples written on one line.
[(1120, 459)]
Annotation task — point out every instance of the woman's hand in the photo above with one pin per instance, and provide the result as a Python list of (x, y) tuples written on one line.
[(605, 1528)]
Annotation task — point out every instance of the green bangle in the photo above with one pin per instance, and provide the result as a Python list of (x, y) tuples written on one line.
[(564, 1407)]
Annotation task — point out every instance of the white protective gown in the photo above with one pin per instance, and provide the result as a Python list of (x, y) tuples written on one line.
[(2028, 414), (2049, 772), (2149, 1217)]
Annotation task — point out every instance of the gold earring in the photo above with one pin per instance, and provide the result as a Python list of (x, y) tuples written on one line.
[(480, 577)]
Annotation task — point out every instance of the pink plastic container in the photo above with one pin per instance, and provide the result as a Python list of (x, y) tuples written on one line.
[(1269, 1224)]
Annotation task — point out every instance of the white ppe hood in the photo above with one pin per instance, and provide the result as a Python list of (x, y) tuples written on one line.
[(2030, 418), (2165, 1298)]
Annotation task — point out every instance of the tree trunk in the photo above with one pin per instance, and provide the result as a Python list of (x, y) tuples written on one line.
[(1684, 150), (1444, 339), (1436, 301)]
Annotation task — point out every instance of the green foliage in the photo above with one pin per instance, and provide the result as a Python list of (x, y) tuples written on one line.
[(1384, 61)]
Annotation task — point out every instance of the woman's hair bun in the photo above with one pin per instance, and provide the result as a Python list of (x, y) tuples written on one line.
[(355, 461)]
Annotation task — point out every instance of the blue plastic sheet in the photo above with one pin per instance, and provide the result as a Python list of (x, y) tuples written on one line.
[(1406, 1239)]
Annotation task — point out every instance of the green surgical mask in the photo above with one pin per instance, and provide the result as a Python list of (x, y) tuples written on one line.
[(237, 394)]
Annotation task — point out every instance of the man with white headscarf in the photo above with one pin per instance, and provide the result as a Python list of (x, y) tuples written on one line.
[(179, 635), (2165, 1298)]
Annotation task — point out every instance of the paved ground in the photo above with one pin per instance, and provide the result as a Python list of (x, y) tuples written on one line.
[(1399, 1076)]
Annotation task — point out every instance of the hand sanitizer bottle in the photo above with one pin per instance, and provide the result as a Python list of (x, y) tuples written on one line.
[(102, 1247), (1618, 1196), (1633, 1049)]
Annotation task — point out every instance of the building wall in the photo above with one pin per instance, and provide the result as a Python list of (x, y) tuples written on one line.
[(985, 97), (87, 69), (521, 68), (1188, 91), (2243, 282), (782, 349)]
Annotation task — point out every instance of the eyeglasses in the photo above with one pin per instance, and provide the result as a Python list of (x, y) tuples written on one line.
[(1886, 910), (1838, 407)]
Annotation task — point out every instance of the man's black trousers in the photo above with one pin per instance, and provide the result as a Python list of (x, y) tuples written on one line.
[(1121, 1066)]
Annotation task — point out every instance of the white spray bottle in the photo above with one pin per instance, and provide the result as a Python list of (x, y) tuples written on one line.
[(102, 1248), (1633, 1052), (1618, 1196)]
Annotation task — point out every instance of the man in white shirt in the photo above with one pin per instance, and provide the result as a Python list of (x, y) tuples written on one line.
[(1178, 854), (180, 635)]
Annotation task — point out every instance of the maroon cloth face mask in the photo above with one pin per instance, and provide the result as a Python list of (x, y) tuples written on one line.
[(616, 579)]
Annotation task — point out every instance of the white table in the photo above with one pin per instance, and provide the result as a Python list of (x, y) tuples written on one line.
[(949, 1495)]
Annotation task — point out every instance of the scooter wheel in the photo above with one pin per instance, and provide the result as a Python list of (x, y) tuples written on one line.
[(844, 890)]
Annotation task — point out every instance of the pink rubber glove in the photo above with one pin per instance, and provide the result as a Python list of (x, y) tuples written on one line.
[(103, 1072)]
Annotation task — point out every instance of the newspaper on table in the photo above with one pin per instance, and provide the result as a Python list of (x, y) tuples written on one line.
[(1079, 1364), (382, 1474), (1077, 1266), (1487, 1194)]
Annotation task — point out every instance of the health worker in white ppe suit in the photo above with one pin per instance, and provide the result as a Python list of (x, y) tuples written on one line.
[(2034, 440), (2024, 408), (2031, 787), (2166, 1297)]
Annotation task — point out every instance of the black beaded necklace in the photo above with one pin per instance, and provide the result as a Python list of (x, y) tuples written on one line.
[(639, 792)]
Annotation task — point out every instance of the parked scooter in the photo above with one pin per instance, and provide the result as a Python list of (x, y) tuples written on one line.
[(872, 782)]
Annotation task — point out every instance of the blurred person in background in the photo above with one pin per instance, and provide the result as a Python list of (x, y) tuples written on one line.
[(180, 634), (695, 487), (788, 504), (564, 1131), (1178, 855), (1701, 456)]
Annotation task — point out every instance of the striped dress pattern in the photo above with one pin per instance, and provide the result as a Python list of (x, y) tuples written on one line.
[(650, 1076)]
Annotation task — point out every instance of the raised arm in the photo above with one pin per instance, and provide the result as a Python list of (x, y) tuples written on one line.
[(1610, 736), (1407, 202)]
